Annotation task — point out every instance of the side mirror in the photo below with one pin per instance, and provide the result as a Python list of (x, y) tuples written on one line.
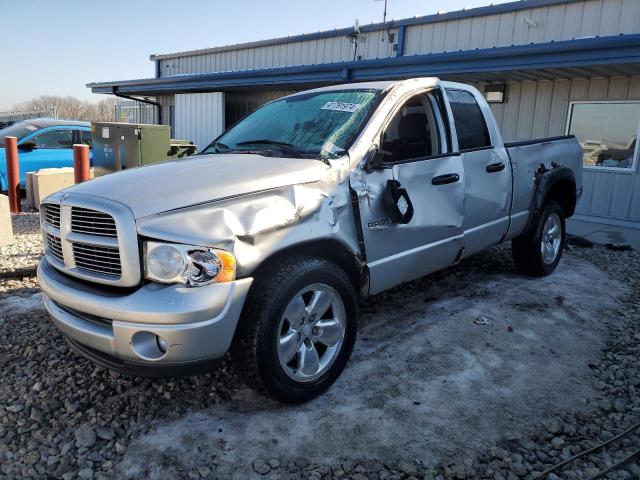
[(375, 158), (27, 146)]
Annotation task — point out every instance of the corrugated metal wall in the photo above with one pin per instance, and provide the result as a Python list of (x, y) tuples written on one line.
[(130, 111), (167, 102), (552, 23), (557, 22), (199, 117), (239, 104), (539, 109), (334, 49)]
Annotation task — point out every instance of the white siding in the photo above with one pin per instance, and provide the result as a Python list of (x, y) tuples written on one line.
[(310, 52), (539, 109), (199, 117), (553, 23), (165, 101)]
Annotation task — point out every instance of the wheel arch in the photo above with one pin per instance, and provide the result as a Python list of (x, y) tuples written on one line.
[(556, 184), (563, 191), (327, 249)]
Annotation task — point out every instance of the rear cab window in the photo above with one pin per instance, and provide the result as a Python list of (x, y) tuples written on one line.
[(86, 137), (469, 121)]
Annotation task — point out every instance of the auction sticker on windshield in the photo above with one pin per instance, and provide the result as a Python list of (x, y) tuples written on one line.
[(341, 106)]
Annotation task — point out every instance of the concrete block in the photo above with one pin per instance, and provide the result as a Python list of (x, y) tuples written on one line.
[(48, 181), (29, 186), (6, 229)]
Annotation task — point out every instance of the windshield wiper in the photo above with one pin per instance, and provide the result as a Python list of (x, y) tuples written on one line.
[(283, 145), (218, 146)]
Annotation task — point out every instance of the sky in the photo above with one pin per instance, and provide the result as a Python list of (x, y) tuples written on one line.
[(57, 47)]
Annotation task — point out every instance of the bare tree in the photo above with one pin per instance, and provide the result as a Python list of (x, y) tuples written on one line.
[(71, 108)]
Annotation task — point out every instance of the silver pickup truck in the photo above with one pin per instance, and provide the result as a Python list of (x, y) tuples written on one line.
[(263, 243)]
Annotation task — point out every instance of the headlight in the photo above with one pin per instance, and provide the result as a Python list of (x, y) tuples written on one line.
[(187, 264)]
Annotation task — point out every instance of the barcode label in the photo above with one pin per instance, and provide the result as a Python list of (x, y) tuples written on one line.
[(341, 106)]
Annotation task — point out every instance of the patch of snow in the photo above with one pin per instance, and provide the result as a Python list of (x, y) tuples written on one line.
[(17, 305), (424, 381)]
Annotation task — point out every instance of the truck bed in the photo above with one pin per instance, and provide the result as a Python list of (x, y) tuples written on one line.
[(526, 156)]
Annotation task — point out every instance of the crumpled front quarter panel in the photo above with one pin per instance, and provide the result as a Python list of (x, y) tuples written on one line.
[(256, 226)]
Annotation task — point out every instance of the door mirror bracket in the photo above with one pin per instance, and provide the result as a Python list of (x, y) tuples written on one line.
[(27, 146), (375, 158)]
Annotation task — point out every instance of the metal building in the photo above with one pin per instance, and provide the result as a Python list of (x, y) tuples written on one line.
[(550, 66)]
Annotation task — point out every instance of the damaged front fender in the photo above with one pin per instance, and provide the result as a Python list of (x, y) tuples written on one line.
[(256, 226)]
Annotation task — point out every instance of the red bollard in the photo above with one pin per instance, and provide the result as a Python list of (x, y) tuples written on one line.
[(13, 173), (81, 167)]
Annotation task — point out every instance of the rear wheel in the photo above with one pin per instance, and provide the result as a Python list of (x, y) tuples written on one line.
[(538, 252), (298, 329)]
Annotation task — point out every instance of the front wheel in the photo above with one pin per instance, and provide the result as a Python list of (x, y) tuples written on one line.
[(538, 252), (298, 329)]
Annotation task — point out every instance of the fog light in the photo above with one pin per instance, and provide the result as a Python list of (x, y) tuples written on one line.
[(149, 346), (162, 344)]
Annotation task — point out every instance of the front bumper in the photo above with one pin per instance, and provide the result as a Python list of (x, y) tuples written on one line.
[(118, 327)]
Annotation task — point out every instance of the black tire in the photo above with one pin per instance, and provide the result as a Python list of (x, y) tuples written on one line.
[(526, 248), (254, 350)]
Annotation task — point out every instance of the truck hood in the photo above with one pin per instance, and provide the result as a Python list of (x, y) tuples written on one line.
[(200, 179)]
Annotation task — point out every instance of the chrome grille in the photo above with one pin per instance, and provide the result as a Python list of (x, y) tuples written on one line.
[(54, 247), (83, 237), (92, 222), (51, 213), (97, 258)]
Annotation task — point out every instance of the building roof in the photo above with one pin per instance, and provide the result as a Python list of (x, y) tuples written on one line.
[(599, 56), (340, 32)]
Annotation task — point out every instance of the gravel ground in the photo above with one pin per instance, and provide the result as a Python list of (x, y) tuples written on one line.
[(26, 248), (66, 418)]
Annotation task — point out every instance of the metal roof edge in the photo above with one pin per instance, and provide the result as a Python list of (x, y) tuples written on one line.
[(339, 32), (621, 48)]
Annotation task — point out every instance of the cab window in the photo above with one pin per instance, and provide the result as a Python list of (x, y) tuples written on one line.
[(469, 121), (412, 133), (85, 137), (54, 139)]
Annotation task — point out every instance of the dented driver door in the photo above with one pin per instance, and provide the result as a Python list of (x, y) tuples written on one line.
[(432, 239), (410, 193)]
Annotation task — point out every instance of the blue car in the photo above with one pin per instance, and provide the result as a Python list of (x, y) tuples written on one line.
[(43, 143)]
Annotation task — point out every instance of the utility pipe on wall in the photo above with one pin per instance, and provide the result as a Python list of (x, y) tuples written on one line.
[(115, 92)]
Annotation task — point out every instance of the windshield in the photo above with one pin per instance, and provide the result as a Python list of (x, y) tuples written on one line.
[(18, 130), (312, 125)]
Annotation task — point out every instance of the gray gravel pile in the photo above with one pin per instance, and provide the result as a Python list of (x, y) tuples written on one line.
[(23, 254), (64, 417), (615, 411)]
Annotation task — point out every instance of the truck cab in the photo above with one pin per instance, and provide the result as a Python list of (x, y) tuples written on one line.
[(262, 244)]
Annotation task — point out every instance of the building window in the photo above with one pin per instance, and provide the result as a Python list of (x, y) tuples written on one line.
[(607, 132)]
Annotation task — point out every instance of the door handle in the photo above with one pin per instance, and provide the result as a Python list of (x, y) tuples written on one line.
[(445, 179), (495, 167)]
